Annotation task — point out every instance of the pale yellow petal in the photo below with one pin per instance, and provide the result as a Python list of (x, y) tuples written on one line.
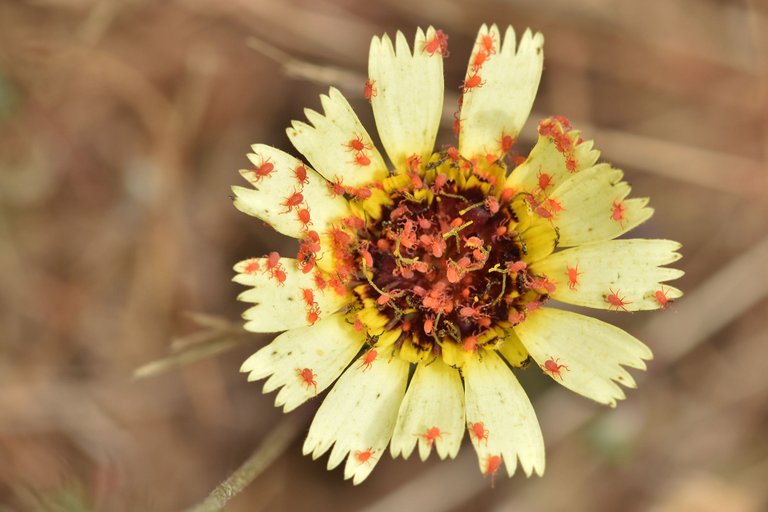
[(273, 195), (629, 269), (498, 407), (358, 415), (409, 95), (432, 413), (589, 200), (592, 352), (501, 103), (305, 361), (327, 143), (280, 306)]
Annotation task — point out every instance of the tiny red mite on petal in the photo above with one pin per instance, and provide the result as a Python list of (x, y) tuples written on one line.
[(369, 91), (438, 45)]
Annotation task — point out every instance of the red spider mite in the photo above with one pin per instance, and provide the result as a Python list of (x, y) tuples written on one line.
[(532, 306), (618, 212), (454, 273), (265, 168), (492, 465), (456, 124), (357, 144), (431, 435), (292, 201), (362, 159), (360, 193), (405, 271), (340, 238), (479, 59), (437, 45), (353, 222), (279, 275), (479, 432), (319, 281), (398, 212), (273, 260), (473, 242), (365, 456), (542, 212), (487, 41), (507, 141), (385, 297), (408, 236), (500, 232), (472, 82), (303, 215), (661, 297), (507, 194), (307, 377), (309, 296), (307, 263), (517, 266), (367, 258), (555, 206), (553, 369), (312, 241), (367, 359), (369, 90), (545, 180), (470, 312), (573, 276), (251, 267), (336, 188), (424, 223), (440, 181), (438, 247), (492, 204), (614, 301), (413, 162), (515, 317), (543, 283), (429, 324), (470, 343), (301, 175), (416, 180)]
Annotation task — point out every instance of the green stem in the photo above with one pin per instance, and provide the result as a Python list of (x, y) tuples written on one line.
[(271, 448)]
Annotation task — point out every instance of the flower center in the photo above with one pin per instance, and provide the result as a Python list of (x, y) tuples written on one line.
[(445, 263)]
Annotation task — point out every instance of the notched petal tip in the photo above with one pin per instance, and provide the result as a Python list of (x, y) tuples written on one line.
[(499, 90)]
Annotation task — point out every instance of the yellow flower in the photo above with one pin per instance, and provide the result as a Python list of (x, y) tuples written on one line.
[(418, 286)]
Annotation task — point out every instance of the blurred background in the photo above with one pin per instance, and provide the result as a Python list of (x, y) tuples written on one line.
[(122, 127)]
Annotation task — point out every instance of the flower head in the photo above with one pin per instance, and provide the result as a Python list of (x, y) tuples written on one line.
[(443, 263)]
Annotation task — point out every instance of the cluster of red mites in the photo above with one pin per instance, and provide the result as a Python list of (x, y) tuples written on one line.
[(486, 47), (557, 128), (445, 269), (273, 267)]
